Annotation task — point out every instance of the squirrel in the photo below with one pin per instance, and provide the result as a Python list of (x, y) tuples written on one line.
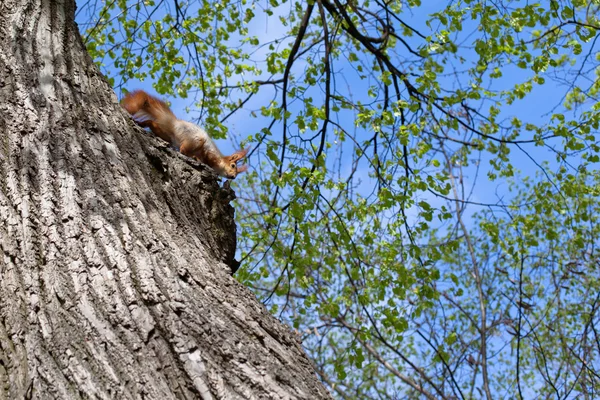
[(192, 141)]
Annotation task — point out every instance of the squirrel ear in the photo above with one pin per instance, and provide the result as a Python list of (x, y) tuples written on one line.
[(238, 155), (242, 168)]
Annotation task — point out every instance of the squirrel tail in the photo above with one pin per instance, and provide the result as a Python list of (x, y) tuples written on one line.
[(148, 111)]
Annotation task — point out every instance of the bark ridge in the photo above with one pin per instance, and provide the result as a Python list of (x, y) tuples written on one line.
[(115, 251)]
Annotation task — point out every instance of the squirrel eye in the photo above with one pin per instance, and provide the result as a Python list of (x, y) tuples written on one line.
[(233, 166)]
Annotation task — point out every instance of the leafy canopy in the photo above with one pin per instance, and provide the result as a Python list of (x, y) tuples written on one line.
[(423, 201)]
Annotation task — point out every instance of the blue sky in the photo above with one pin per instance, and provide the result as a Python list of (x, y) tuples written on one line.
[(535, 108)]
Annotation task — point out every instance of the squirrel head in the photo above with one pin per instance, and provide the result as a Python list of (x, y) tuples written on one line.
[(230, 168)]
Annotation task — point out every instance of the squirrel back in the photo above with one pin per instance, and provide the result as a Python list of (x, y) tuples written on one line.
[(150, 112), (192, 141)]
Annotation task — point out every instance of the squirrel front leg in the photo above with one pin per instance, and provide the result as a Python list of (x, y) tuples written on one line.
[(196, 148)]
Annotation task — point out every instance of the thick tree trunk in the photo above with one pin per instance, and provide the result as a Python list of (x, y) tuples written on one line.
[(114, 276)]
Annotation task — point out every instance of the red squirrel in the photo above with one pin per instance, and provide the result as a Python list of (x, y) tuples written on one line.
[(192, 141)]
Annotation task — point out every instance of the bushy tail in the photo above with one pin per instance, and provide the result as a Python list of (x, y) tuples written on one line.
[(150, 112)]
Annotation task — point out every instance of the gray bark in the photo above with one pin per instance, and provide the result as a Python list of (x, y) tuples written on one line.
[(115, 250)]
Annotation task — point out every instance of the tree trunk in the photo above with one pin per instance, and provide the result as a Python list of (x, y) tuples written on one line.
[(115, 250)]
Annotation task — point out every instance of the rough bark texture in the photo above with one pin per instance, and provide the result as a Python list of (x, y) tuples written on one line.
[(114, 277)]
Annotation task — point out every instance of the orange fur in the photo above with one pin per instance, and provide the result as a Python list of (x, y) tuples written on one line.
[(192, 141)]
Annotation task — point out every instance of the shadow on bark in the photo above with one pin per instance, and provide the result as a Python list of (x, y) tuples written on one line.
[(116, 251)]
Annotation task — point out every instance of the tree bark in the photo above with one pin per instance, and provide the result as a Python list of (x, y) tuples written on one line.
[(115, 250)]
